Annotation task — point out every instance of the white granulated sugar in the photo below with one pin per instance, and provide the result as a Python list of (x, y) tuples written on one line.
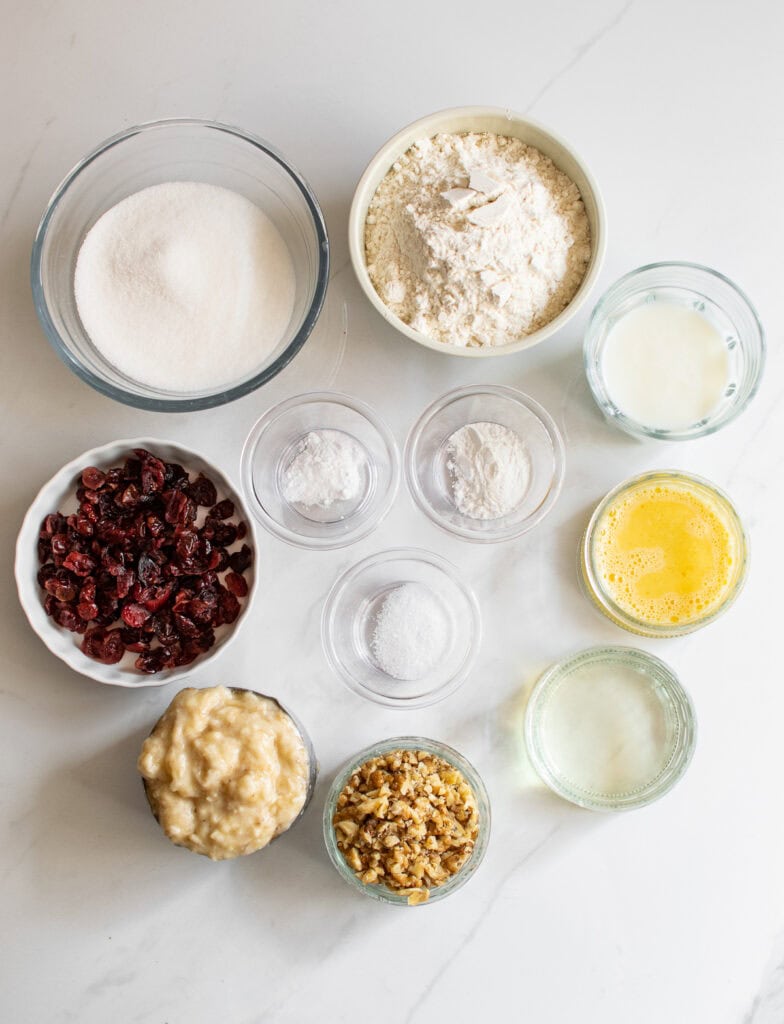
[(489, 470), (476, 239), (185, 287), (411, 632), (329, 467)]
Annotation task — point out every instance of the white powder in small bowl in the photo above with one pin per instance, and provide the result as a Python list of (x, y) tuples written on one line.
[(185, 287), (329, 467), (489, 469), (411, 632)]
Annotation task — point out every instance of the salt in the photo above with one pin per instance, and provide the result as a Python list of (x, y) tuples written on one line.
[(185, 287), (411, 632)]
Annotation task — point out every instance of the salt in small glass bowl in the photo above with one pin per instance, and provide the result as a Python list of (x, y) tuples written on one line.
[(274, 442), (690, 286), (349, 618), (380, 892), (427, 459), (678, 738), (176, 149)]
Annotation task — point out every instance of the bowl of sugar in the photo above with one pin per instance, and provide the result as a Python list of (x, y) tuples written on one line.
[(673, 351), (180, 265)]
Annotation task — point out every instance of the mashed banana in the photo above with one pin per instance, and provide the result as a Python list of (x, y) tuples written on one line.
[(225, 771)]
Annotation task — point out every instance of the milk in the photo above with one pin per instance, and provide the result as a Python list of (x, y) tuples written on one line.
[(665, 365)]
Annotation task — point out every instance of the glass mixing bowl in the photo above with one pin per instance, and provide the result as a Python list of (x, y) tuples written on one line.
[(150, 154)]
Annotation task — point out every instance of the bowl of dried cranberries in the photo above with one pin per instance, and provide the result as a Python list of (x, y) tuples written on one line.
[(136, 561)]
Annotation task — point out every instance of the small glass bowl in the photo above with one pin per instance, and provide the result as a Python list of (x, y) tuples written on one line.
[(691, 286), (472, 777), (676, 727), (716, 499), (427, 457), (149, 154), (349, 618), (274, 441)]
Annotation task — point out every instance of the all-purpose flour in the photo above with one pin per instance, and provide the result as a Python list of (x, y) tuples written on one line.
[(185, 286), (476, 239)]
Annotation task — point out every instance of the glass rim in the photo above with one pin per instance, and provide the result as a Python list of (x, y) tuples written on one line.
[(381, 893), (185, 404), (468, 533), (266, 420), (680, 756), (599, 596), (338, 590), (596, 384)]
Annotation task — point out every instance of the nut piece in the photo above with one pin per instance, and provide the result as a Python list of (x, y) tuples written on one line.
[(407, 820)]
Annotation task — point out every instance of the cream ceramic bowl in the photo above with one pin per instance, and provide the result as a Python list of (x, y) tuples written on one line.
[(500, 121), (59, 494)]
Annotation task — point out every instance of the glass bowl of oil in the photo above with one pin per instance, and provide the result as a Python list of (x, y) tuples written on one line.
[(610, 728)]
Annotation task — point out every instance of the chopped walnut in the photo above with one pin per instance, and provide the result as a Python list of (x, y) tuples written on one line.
[(407, 820)]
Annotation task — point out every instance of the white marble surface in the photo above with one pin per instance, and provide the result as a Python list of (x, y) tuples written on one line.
[(673, 913)]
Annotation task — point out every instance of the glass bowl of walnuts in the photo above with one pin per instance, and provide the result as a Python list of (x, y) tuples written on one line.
[(407, 821)]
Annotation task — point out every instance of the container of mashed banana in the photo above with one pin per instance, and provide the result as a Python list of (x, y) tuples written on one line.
[(664, 554), (226, 771)]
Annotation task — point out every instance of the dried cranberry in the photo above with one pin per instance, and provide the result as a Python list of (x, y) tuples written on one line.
[(104, 645), (125, 580), (155, 525), (187, 653), (134, 640), (242, 559), (202, 491), (87, 610), (185, 626), (66, 616), (175, 475), (60, 545), (93, 478), (242, 530), (128, 497), (223, 510), (153, 661), (133, 467), (134, 615), (228, 606), (224, 535), (236, 584), (80, 564), (157, 597), (153, 474), (202, 608), (147, 570), (179, 508), (53, 523)]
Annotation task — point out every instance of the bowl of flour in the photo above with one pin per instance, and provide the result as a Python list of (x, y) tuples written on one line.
[(180, 265), (477, 232)]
